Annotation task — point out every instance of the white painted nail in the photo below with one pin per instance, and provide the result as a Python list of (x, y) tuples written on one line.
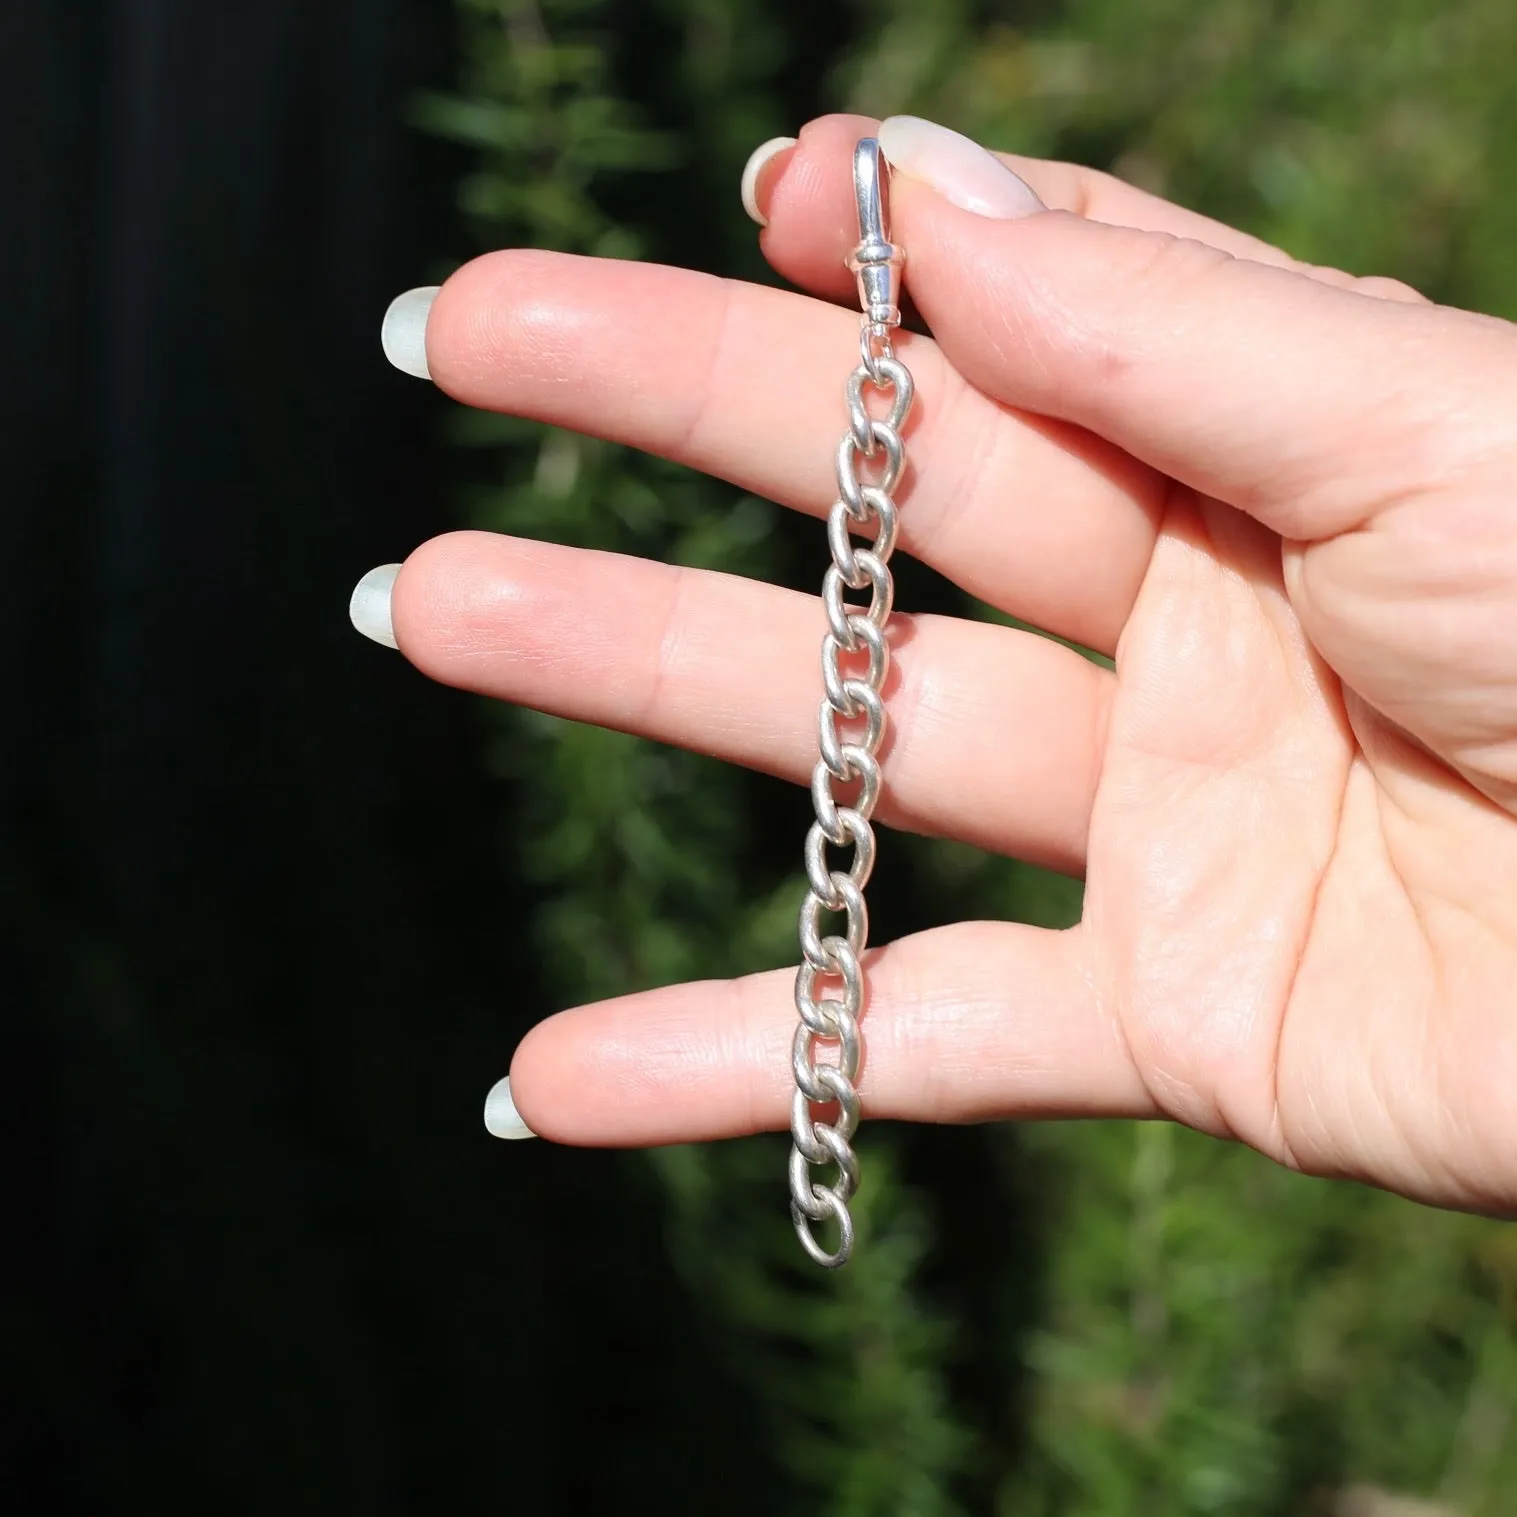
[(404, 333), (959, 169), (502, 1120), (756, 160), (369, 608)]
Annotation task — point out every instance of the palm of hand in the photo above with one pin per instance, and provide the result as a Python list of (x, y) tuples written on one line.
[(1290, 906)]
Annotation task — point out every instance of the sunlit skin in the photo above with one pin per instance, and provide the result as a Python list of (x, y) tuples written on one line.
[(1284, 499)]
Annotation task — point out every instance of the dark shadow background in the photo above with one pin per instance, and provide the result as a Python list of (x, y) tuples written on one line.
[(259, 934)]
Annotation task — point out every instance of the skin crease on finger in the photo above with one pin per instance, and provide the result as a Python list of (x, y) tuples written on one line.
[(1301, 926)]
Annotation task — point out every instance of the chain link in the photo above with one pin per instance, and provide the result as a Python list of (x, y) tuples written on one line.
[(829, 986)]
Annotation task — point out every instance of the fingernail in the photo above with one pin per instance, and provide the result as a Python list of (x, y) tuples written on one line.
[(764, 154), (959, 169), (502, 1120), (369, 608), (404, 333)]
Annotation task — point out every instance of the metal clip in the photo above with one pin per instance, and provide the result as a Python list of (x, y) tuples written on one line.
[(876, 262)]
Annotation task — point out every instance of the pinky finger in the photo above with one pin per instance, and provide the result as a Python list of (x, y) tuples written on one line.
[(967, 1023)]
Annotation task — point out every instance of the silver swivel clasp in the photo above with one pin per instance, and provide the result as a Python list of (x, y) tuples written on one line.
[(876, 262)]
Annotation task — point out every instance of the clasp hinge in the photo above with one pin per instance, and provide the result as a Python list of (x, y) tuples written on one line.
[(876, 262)]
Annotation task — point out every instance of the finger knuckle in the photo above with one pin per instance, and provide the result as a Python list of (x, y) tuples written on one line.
[(1154, 271), (1382, 287)]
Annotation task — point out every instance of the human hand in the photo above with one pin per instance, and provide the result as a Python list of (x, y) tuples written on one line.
[(1283, 499)]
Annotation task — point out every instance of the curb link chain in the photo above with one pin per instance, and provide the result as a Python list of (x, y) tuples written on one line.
[(831, 1011)]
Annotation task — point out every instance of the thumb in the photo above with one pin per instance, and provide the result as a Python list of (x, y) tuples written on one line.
[(1304, 403)]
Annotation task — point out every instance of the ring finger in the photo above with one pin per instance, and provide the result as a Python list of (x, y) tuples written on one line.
[(728, 667)]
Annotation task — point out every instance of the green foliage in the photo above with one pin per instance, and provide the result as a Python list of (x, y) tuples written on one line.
[(1369, 134), (1212, 1334), (1225, 1336)]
